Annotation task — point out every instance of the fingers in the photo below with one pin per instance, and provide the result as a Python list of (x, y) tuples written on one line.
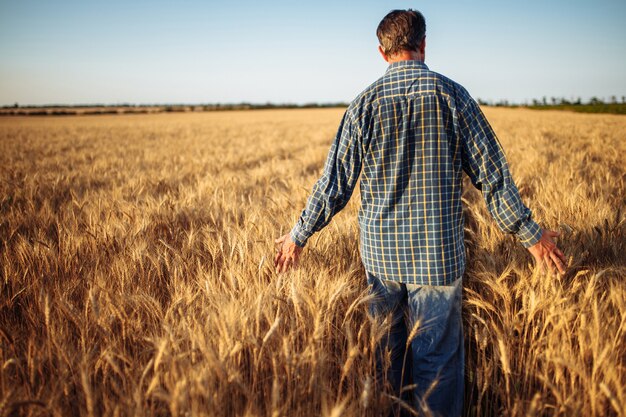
[(285, 262), (560, 255), (547, 255), (288, 254), (558, 252), (279, 258), (547, 261), (553, 261), (279, 263), (557, 261), (547, 239), (554, 256)]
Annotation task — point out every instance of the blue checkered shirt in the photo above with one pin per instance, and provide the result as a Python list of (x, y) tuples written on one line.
[(411, 135)]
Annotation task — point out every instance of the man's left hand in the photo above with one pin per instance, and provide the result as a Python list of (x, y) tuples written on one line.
[(546, 253), (288, 253)]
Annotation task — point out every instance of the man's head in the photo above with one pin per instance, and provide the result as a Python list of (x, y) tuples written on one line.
[(402, 33)]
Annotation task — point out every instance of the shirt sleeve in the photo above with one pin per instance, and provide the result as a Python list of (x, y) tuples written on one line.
[(333, 189), (485, 164)]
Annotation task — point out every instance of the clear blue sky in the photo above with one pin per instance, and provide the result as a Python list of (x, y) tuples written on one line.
[(79, 52)]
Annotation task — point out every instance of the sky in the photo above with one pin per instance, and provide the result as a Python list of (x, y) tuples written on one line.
[(159, 52)]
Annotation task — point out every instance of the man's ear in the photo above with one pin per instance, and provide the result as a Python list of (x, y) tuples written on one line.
[(382, 53), (423, 46)]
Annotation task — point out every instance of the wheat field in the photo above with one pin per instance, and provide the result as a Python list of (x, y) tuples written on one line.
[(137, 275)]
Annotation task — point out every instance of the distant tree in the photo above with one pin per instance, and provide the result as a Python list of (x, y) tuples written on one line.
[(482, 102), (544, 101), (578, 102), (595, 101), (553, 100), (536, 102), (623, 99), (613, 100)]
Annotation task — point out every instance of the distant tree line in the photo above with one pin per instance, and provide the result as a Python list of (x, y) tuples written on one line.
[(181, 106), (593, 105), (95, 109), (554, 101)]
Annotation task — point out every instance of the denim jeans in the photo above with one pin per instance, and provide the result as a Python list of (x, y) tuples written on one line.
[(433, 360)]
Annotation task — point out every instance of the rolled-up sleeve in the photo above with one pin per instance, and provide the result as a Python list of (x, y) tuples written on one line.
[(333, 189), (485, 164)]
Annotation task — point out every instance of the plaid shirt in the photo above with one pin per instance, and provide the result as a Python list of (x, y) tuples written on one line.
[(412, 133)]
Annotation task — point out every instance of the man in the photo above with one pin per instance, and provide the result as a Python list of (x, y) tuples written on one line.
[(411, 135)]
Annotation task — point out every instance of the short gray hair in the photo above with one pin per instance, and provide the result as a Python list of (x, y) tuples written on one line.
[(401, 30)]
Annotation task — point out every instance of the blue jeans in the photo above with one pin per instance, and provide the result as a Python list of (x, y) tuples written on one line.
[(433, 360)]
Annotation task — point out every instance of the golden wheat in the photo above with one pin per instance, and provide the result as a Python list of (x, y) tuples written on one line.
[(137, 278)]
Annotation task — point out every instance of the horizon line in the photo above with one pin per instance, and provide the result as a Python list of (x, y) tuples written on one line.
[(544, 100)]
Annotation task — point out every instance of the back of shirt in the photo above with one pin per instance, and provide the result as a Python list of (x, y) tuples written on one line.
[(411, 135), (411, 215)]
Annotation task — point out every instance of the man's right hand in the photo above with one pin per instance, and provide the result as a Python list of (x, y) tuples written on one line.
[(288, 253), (547, 254)]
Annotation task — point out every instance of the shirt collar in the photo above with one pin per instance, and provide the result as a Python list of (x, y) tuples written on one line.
[(400, 65)]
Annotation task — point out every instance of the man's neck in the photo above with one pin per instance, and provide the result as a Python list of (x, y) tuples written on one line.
[(406, 56)]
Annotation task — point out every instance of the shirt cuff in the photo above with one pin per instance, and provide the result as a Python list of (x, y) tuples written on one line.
[(529, 233), (298, 235)]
